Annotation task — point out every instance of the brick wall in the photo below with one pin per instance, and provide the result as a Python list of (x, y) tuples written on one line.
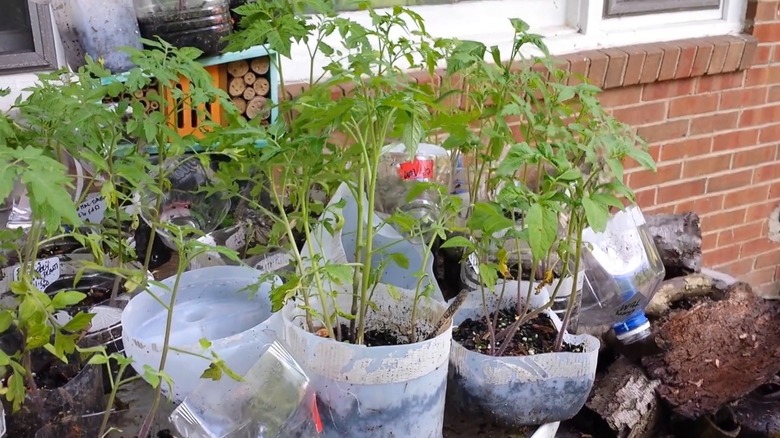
[(710, 110)]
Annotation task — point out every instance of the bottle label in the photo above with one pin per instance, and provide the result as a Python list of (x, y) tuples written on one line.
[(629, 306), (48, 272), (419, 169)]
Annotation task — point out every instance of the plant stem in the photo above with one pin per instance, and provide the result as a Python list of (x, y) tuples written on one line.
[(112, 396), (358, 256), (573, 296)]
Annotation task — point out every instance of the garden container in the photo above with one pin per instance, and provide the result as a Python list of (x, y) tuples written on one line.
[(520, 390), (227, 305), (98, 28), (376, 392), (186, 23)]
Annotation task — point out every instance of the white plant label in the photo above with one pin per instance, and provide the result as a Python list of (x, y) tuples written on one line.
[(237, 240), (93, 208), (273, 262), (48, 272)]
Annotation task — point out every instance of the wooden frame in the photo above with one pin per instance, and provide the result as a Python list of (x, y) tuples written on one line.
[(614, 8), (44, 56)]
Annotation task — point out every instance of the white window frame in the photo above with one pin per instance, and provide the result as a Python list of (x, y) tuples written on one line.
[(568, 26)]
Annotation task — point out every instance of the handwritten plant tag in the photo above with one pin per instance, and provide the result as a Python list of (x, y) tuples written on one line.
[(92, 209), (48, 272)]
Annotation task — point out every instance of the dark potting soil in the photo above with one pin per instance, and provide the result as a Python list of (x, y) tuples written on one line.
[(534, 337), (56, 375), (376, 338)]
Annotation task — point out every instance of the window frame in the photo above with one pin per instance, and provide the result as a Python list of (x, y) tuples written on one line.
[(616, 8), (45, 54)]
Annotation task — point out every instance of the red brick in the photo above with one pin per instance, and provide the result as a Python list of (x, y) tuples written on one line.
[(669, 62), (734, 54), (687, 58), (714, 123), (703, 56), (702, 167), (762, 11), (769, 134), (729, 181), (636, 60), (723, 220), (739, 234), (691, 147), (721, 48), (759, 116), (642, 114), (623, 96), (668, 89), (759, 212), (766, 173), (758, 245), (696, 104), (701, 206), (742, 98), (578, 68), (749, 195), (759, 277), (771, 258), (647, 178), (664, 131), (773, 95), (769, 74), (763, 54), (615, 68), (754, 157), (646, 198), (680, 191), (721, 256), (653, 57), (734, 140), (749, 55), (598, 66), (767, 32), (737, 268), (720, 82)]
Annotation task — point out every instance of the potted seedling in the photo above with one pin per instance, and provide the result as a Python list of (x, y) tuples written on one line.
[(359, 292), (42, 374), (534, 196)]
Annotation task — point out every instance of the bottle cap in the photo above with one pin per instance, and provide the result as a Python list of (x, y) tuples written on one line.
[(636, 323)]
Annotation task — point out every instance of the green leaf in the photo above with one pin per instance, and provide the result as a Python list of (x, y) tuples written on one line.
[(67, 298), (97, 359), (399, 259), (570, 175), (542, 230), (213, 372), (6, 319), (152, 376), (458, 242), (596, 214), (488, 218), (519, 25), (340, 274), (79, 322), (488, 274), (5, 360), (394, 293), (204, 343)]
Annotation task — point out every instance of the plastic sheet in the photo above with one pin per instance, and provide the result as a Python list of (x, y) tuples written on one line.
[(274, 400)]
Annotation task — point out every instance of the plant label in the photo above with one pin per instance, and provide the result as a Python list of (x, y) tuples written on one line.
[(93, 208), (419, 169), (237, 240), (273, 262), (48, 272)]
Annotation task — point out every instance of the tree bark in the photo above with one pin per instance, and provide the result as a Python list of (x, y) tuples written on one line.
[(678, 239)]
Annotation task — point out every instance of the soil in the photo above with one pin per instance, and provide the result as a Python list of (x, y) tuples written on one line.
[(536, 336), (377, 338), (56, 375), (193, 28)]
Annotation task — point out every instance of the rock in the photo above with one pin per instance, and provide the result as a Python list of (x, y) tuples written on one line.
[(716, 352), (678, 239)]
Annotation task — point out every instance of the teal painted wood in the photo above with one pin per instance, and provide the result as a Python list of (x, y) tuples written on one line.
[(225, 58)]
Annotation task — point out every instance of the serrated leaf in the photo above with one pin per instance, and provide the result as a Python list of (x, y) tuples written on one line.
[(67, 298), (340, 274), (80, 321), (488, 274), (152, 376), (597, 214), (542, 230), (458, 242), (6, 319), (97, 359), (400, 259), (213, 372)]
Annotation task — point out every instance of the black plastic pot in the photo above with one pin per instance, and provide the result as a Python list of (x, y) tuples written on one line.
[(81, 395)]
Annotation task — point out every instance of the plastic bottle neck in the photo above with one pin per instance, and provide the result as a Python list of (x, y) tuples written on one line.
[(633, 329)]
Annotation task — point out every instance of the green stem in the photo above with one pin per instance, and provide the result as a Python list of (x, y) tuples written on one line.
[(573, 296)]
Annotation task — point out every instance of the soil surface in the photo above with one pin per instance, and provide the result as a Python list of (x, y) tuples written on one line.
[(376, 338), (534, 337)]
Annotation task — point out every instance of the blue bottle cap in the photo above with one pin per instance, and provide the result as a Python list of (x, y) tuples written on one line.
[(636, 322)]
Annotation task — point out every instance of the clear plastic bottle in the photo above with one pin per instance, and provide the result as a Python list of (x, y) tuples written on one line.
[(398, 173), (623, 271), (186, 23)]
